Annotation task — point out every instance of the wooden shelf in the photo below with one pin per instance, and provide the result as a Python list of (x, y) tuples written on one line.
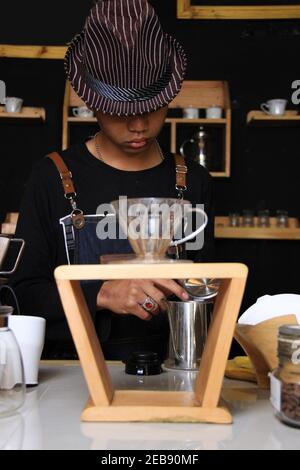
[(81, 120), (253, 116), (195, 121), (219, 174), (188, 10), (33, 52), (26, 113), (222, 230)]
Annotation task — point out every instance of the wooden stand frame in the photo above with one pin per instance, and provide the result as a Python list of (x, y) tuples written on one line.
[(107, 404)]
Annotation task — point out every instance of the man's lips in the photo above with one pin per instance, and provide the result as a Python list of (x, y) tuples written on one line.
[(138, 143)]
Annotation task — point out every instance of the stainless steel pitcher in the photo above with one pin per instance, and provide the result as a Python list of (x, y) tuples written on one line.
[(189, 323)]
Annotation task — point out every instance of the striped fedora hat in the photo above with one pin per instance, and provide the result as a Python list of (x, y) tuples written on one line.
[(122, 63)]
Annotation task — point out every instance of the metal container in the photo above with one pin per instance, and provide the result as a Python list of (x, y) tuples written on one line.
[(189, 322)]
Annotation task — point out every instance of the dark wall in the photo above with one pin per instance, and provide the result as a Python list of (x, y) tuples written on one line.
[(259, 59)]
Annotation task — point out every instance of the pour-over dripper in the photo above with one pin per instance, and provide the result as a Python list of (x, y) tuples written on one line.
[(151, 224)]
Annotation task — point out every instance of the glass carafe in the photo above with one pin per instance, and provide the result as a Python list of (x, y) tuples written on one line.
[(12, 384)]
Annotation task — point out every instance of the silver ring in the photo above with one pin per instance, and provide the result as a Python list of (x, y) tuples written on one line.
[(149, 305)]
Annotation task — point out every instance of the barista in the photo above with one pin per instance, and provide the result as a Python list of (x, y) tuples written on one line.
[(127, 70)]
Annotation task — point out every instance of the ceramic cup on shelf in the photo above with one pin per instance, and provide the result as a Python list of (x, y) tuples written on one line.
[(191, 112), (30, 334), (214, 112), (13, 104), (274, 107), (82, 112)]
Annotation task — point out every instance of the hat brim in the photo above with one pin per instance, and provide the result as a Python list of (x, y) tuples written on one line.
[(75, 71)]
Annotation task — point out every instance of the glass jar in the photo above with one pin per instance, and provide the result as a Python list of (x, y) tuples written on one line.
[(285, 380), (247, 218), (234, 219), (282, 218), (12, 384), (263, 218)]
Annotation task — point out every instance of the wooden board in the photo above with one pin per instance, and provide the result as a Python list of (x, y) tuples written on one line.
[(186, 10), (32, 52)]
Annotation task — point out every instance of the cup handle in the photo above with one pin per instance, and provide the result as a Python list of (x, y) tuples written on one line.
[(193, 234), (75, 112), (22, 242), (265, 108)]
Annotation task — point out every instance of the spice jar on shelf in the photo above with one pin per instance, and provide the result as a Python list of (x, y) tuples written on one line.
[(234, 219), (247, 218), (282, 218), (285, 380), (263, 218)]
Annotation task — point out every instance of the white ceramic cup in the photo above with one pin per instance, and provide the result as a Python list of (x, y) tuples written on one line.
[(83, 112), (30, 335), (214, 112), (190, 112), (13, 104), (274, 107)]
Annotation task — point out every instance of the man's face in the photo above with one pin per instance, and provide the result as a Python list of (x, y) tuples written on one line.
[(132, 134)]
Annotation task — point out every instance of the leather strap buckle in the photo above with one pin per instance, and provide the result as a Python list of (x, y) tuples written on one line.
[(69, 189)]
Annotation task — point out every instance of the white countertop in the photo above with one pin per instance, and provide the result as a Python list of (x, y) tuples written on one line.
[(50, 417)]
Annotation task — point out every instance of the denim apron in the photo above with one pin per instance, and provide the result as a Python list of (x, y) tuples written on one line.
[(120, 335)]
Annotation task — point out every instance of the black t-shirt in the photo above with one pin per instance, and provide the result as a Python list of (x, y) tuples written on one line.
[(44, 204)]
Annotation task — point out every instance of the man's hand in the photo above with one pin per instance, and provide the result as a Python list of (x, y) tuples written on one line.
[(126, 296)]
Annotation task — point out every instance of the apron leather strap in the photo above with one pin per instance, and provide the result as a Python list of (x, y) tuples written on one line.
[(65, 174), (69, 189), (181, 171), (70, 193)]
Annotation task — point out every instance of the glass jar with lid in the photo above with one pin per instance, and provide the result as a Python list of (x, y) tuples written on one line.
[(12, 384), (285, 380)]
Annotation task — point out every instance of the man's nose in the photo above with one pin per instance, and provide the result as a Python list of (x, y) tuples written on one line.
[(138, 123)]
